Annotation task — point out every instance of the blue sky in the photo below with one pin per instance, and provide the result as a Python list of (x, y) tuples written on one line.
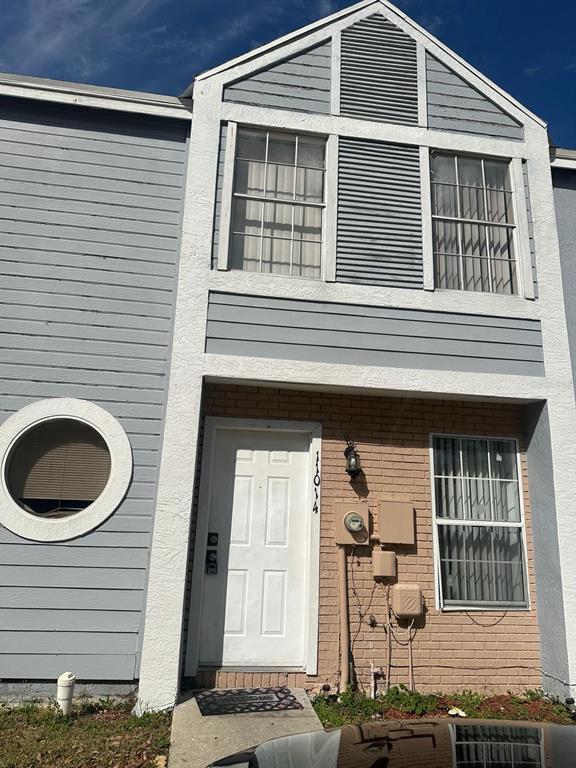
[(158, 45)]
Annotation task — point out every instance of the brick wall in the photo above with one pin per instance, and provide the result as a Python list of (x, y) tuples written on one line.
[(484, 651)]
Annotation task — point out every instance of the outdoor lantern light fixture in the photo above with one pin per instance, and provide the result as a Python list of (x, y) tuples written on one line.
[(353, 466)]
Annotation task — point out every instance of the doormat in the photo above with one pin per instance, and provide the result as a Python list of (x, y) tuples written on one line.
[(241, 701)]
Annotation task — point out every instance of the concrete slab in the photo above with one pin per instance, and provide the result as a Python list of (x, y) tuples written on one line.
[(197, 740)]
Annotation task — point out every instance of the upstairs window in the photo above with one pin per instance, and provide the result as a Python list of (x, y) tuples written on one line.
[(473, 224), (479, 523), (278, 203)]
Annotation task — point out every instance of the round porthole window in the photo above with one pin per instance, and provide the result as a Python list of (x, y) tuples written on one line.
[(66, 466), (57, 468)]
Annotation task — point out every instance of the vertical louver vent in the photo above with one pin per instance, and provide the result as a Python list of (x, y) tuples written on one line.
[(379, 239), (530, 227), (378, 78), (219, 189)]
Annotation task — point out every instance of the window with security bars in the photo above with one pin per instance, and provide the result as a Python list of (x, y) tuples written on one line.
[(487, 746), (278, 203), (479, 523), (473, 224)]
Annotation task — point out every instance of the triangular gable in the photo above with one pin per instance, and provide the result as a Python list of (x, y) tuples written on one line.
[(300, 82), (297, 42), (454, 105)]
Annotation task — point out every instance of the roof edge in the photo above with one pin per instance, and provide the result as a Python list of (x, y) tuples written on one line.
[(116, 96), (280, 41), (463, 63), (563, 158)]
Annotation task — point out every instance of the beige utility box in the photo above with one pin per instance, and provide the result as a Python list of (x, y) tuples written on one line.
[(407, 601), (352, 523), (383, 564), (396, 523)]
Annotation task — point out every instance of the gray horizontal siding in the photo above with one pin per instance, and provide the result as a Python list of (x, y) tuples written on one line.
[(454, 105), (300, 83), (372, 336), (379, 230), (218, 197), (378, 75), (55, 620), (530, 226), (86, 666), (89, 234)]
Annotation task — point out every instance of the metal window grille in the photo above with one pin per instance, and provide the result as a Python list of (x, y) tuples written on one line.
[(473, 224), (479, 523), (482, 746)]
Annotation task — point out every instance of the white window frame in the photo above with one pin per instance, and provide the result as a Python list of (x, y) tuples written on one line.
[(480, 523), (37, 528), (520, 229), (328, 206)]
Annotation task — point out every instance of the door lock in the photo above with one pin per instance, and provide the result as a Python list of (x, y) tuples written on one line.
[(211, 561)]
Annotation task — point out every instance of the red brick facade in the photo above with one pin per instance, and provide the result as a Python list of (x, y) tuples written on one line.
[(486, 651)]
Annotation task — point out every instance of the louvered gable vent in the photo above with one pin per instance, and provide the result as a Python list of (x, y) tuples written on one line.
[(379, 233), (378, 78)]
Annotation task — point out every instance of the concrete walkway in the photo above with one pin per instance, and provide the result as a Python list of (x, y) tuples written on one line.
[(197, 740)]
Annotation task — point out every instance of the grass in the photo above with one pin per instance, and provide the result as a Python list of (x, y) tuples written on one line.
[(100, 734), (352, 708)]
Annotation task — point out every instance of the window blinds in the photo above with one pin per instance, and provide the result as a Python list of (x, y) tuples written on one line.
[(61, 459)]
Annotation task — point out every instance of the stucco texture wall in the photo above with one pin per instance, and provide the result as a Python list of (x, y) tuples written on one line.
[(485, 651)]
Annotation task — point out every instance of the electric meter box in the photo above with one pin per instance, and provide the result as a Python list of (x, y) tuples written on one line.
[(396, 523), (342, 534), (383, 564), (407, 602)]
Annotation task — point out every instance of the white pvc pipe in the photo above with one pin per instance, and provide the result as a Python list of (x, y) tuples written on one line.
[(65, 692)]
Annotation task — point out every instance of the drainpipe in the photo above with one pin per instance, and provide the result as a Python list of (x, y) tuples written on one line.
[(344, 623), (65, 692)]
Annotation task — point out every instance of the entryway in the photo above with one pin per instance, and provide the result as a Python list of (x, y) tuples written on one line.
[(254, 603)]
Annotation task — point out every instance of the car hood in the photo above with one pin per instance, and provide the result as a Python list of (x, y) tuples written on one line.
[(418, 744)]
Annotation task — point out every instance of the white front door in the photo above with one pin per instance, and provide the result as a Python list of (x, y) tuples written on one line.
[(253, 611)]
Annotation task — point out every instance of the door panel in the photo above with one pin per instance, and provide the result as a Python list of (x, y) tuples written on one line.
[(254, 607)]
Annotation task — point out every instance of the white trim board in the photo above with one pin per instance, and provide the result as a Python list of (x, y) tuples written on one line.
[(211, 426)]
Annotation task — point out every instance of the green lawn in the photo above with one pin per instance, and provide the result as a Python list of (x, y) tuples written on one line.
[(96, 735)]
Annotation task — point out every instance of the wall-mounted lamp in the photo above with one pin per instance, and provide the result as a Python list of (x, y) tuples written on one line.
[(353, 465)]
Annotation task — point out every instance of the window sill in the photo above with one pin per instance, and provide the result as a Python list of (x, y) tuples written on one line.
[(484, 609)]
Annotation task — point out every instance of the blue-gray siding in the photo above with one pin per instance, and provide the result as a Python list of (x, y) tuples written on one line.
[(300, 83), (89, 231), (219, 188), (454, 105), (530, 226), (325, 332), (379, 231), (378, 74), (564, 182)]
